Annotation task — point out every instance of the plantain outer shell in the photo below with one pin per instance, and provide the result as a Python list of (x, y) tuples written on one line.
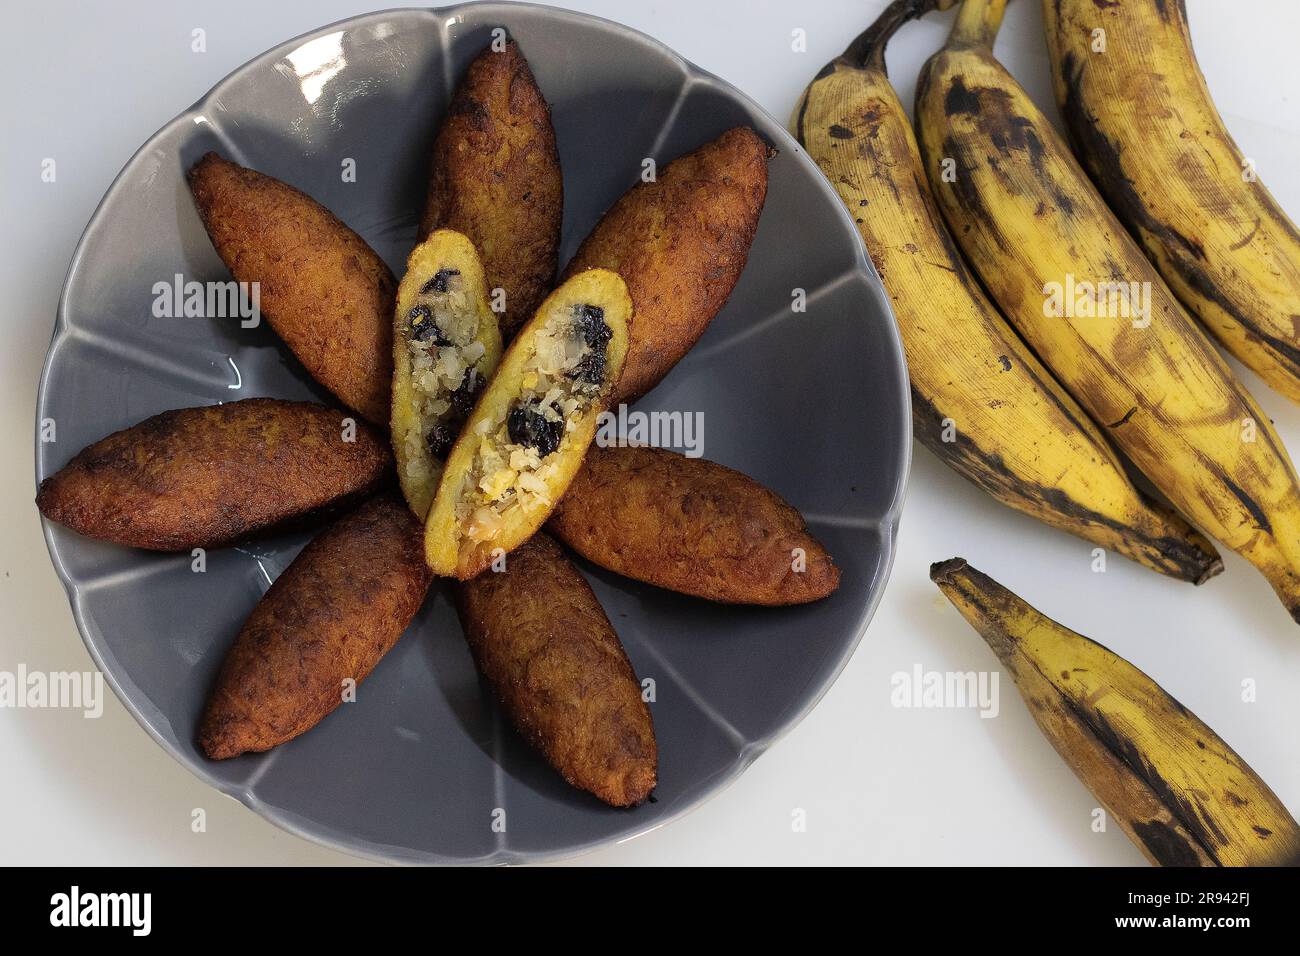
[(1030, 221), (1179, 792), (1143, 123), (981, 401)]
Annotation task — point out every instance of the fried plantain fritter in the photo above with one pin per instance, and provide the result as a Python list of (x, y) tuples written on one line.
[(529, 431), (495, 176), (207, 477), (334, 612), (541, 639), (692, 526), (325, 292), (680, 243), (446, 346)]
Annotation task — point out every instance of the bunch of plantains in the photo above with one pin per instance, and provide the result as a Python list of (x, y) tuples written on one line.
[(1054, 305)]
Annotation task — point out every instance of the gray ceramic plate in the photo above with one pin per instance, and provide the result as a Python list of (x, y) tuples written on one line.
[(813, 404)]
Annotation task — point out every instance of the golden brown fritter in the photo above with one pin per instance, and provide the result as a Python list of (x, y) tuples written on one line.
[(207, 477), (329, 618), (680, 243), (495, 176), (692, 526), (541, 639), (326, 293)]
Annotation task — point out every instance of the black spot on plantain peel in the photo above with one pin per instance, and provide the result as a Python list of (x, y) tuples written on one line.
[(1148, 533)]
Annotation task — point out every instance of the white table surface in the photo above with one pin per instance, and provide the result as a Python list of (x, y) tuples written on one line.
[(88, 82)]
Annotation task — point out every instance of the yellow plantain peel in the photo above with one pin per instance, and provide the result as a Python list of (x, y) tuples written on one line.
[(1038, 235), (1179, 792), (981, 401)]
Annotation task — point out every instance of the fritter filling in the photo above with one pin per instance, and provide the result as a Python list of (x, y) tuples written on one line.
[(517, 454), (441, 332)]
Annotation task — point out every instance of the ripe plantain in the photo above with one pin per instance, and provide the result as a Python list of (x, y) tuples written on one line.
[(1032, 225), (495, 176), (1018, 435), (446, 345), (1142, 121), (528, 434), (1182, 795), (326, 293)]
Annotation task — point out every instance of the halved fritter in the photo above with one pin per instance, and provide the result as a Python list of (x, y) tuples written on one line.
[(680, 244), (326, 293), (495, 176), (541, 639), (319, 631), (445, 348), (692, 526), (530, 429), (207, 477)]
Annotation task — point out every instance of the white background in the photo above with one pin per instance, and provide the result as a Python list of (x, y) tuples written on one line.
[(88, 82)]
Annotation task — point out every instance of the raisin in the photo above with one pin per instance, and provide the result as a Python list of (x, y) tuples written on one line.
[(439, 281), (466, 394), (422, 328), (439, 441), (590, 368), (596, 334), (528, 427), (591, 323)]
